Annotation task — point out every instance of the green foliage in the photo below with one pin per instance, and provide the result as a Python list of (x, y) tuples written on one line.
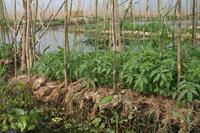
[(94, 68), (5, 51), (144, 69), (105, 100), (187, 92), (18, 96), (51, 65), (3, 71), (20, 120), (150, 71), (149, 27)]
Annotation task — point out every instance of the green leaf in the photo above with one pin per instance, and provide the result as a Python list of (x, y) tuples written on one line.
[(189, 97), (164, 77), (182, 94), (153, 73), (156, 78), (105, 100)]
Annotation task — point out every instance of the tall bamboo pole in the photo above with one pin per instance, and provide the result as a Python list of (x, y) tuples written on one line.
[(114, 42), (23, 62), (66, 43), (116, 26), (15, 36), (193, 22), (158, 8), (179, 40), (147, 9), (96, 15), (29, 48), (34, 27)]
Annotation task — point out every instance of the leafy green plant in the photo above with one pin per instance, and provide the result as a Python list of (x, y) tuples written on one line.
[(187, 92), (145, 69), (18, 96), (5, 51), (20, 120), (150, 71)]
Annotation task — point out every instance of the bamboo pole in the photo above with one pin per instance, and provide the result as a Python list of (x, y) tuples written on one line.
[(158, 8), (66, 43), (116, 26), (23, 62), (96, 15), (29, 48), (179, 40), (193, 22), (15, 36)]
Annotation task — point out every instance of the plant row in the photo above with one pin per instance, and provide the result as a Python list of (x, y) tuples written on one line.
[(146, 70)]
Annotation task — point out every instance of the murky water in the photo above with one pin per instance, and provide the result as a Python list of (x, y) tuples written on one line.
[(54, 38)]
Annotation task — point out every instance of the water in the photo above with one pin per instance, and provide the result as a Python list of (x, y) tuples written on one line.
[(54, 38)]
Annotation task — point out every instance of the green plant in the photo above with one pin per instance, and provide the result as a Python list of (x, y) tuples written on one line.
[(18, 96), (149, 71), (20, 120), (187, 92), (5, 51), (145, 69)]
